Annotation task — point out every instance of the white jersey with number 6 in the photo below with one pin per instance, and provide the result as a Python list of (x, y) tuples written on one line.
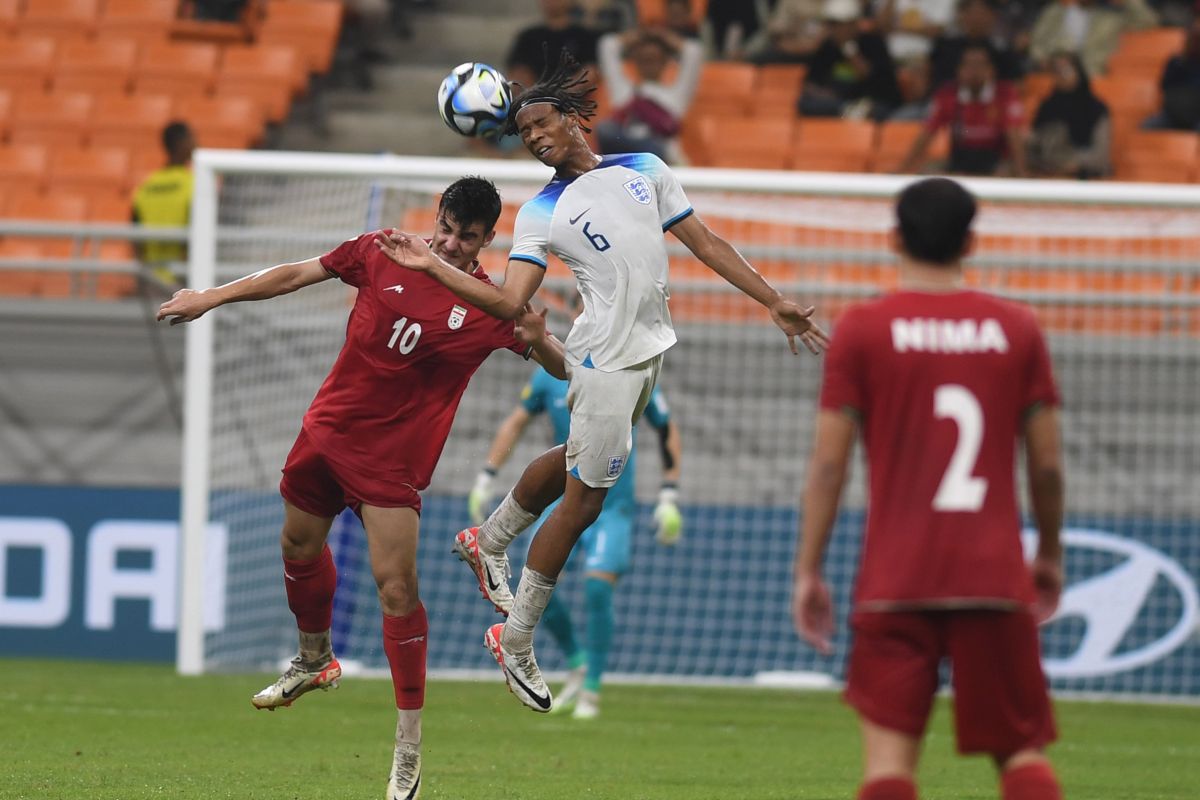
[(608, 225)]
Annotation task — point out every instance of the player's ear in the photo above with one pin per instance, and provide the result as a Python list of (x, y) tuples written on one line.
[(487, 239)]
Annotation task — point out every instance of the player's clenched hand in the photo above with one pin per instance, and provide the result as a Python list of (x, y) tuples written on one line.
[(796, 321), (812, 612), (184, 306), (530, 327), (1048, 583), (406, 250)]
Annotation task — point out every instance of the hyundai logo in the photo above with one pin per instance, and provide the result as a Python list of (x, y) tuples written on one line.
[(1110, 604)]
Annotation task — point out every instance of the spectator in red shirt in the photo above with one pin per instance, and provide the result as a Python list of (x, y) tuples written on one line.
[(984, 116)]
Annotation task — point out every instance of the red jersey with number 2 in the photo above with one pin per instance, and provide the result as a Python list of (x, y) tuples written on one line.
[(941, 384), (411, 347)]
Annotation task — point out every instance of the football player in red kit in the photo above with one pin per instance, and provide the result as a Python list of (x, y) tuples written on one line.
[(373, 435), (942, 382)]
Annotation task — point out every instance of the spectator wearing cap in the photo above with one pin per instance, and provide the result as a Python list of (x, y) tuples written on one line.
[(851, 73), (1089, 28), (648, 111), (984, 116)]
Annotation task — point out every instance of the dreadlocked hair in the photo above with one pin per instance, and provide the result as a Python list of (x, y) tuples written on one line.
[(565, 84)]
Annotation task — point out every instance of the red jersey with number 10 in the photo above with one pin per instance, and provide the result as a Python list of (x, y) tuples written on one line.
[(411, 347), (941, 384)]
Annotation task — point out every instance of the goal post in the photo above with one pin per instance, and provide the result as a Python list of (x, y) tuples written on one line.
[(1112, 270)]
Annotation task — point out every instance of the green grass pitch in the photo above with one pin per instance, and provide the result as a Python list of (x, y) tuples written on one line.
[(125, 732)]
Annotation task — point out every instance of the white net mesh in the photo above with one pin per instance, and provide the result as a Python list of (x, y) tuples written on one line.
[(1115, 285)]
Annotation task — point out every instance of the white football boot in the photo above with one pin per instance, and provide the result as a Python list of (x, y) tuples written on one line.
[(299, 679), (588, 706), (564, 699), (405, 781), (491, 571), (520, 671)]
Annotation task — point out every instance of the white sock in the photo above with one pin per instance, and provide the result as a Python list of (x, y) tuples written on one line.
[(315, 648), (408, 726), (504, 525), (533, 593)]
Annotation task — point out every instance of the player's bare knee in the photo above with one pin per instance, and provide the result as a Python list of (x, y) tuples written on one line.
[(299, 544), (398, 594), (1021, 758)]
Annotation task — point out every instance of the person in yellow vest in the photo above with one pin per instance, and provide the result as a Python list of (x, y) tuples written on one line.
[(164, 198)]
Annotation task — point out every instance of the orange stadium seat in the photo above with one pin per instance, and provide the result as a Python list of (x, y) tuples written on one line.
[(833, 145), (726, 87), (1143, 53), (309, 26), (101, 66), (896, 140), (60, 118), (271, 74), (1037, 85), (26, 63), (229, 122), (143, 162), (10, 13), (1180, 146), (747, 142), (46, 207), (116, 210), (1132, 96), (176, 68), (134, 122), (60, 19), (137, 20), (777, 89), (90, 171), (22, 168), (5, 111), (654, 12)]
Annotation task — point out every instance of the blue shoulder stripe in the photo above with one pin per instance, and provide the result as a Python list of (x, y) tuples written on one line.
[(679, 217), (527, 258)]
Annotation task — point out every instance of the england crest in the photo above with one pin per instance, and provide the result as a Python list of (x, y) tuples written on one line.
[(639, 190), (457, 315)]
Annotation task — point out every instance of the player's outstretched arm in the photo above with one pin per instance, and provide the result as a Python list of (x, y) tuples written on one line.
[(812, 605), (720, 256), (479, 500), (1046, 493), (189, 304), (530, 329), (521, 279)]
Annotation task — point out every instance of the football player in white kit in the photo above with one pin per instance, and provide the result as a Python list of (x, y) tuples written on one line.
[(605, 217)]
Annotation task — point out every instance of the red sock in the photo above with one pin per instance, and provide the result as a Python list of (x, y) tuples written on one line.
[(310, 586), (1033, 781), (888, 789), (405, 642)]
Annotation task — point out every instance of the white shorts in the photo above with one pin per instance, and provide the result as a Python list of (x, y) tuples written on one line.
[(604, 407)]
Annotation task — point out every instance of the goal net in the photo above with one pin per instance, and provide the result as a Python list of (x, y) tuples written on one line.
[(1111, 271)]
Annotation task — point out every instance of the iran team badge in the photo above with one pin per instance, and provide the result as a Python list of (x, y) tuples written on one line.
[(457, 315), (639, 190)]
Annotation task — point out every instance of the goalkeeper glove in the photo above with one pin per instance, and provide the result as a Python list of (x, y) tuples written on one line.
[(479, 501), (667, 516)]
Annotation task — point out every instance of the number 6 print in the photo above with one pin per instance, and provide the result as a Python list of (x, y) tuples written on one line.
[(598, 241)]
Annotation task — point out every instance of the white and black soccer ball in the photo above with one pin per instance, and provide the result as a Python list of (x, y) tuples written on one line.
[(474, 100)]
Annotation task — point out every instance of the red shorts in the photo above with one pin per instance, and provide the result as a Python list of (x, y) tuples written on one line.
[(1001, 704), (313, 483)]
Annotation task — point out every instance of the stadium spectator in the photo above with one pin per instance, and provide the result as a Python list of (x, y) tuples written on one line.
[(1072, 133), (984, 116), (733, 23), (977, 25), (557, 31), (942, 574), (1089, 28), (851, 74), (914, 88), (912, 25), (164, 199), (647, 112), (1180, 85), (794, 32), (217, 10), (680, 20)]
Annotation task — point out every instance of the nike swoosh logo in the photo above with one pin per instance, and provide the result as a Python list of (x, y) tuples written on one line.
[(581, 213), (543, 702), (288, 694), (413, 792), (488, 577)]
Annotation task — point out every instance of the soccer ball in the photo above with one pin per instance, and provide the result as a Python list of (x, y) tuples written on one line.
[(474, 100)]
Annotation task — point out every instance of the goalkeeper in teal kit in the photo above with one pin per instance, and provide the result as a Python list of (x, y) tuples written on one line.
[(606, 544)]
